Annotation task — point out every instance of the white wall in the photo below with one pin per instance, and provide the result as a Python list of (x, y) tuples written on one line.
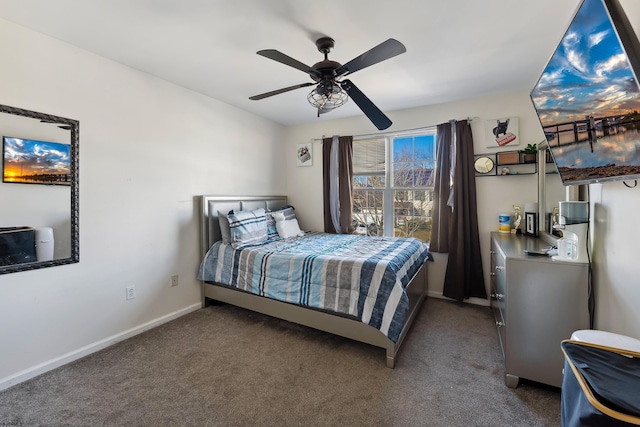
[(147, 148), (616, 270)]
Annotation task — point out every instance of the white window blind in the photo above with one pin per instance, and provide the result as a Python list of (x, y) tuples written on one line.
[(369, 157)]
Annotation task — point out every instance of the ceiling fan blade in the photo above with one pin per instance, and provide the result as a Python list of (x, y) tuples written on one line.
[(279, 91), (374, 114), (383, 51), (287, 60)]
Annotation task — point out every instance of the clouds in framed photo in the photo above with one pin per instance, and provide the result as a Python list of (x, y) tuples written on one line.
[(27, 161)]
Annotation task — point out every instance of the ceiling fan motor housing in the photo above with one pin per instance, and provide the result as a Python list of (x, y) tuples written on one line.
[(327, 88), (325, 44), (326, 68)]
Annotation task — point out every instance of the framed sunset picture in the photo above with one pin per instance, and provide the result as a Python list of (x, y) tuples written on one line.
[(588, 97), (27, 161)]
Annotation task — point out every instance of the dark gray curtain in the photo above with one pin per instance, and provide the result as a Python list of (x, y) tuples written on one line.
[(345, 183), (441, 215), (464, 277)]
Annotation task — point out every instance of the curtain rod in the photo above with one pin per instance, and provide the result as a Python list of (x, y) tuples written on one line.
[(383, 134)]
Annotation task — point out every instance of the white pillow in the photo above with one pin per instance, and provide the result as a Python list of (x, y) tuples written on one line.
[(286, 227)]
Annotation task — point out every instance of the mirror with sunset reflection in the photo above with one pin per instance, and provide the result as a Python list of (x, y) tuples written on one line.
[(39, 190)]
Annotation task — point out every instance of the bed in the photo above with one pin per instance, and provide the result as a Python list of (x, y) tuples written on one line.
[(388, 334)]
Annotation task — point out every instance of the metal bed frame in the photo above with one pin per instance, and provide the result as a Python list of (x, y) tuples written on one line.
[(334, 323)]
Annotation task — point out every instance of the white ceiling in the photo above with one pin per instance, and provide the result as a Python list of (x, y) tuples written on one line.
[(456, 49)]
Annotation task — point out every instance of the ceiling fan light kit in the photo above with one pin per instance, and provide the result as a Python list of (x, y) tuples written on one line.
[(331, 91), (327, 97)]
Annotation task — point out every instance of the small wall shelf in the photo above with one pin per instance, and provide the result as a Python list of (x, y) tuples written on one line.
[(505, 163)]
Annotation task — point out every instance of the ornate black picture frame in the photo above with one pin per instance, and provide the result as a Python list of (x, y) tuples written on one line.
[(73, 127)]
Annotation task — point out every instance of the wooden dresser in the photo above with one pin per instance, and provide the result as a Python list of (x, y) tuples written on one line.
[(537, 302)]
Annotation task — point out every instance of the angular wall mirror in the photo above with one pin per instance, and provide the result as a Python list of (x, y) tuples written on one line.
[(39, 190)]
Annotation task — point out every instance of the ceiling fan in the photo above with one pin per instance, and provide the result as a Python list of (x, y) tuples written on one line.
[(331, 91)]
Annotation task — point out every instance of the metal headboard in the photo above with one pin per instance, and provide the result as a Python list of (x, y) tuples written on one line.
[(210, 206)]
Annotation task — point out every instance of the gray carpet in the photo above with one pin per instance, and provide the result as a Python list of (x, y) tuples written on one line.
[(225, 366)]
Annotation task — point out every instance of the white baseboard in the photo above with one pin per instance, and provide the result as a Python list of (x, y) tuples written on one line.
[(29, 373), (472, 300)]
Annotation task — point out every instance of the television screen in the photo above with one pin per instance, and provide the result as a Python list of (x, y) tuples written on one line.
[(27, 161), (588, 97)]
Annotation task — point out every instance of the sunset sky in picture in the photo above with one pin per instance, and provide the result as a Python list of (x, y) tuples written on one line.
[(28, 157), (589, 74)]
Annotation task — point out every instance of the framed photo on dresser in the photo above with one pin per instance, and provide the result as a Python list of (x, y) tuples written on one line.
[(530, 224)]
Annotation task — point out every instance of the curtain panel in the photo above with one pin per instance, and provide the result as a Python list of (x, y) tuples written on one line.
[(442, 213), (457, 227), (337, 176)]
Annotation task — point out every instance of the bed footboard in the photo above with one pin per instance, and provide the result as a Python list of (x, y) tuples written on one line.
[(347, 327), (417, 292)]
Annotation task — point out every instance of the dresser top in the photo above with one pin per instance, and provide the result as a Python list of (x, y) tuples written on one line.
[(513, 246)]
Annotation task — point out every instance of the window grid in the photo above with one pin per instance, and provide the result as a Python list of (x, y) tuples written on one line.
[(395, 200)]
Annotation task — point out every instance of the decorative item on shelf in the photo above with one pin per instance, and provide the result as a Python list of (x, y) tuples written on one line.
[(555, 221), (508, 157), (529, 154), (517, 217), (505, 171)]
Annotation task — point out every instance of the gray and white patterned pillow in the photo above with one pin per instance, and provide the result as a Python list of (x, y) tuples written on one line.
[(248, 227)]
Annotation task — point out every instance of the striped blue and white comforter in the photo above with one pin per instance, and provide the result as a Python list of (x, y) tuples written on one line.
[(356, 275)]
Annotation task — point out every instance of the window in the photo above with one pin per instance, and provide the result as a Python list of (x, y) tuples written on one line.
[(393, 191)]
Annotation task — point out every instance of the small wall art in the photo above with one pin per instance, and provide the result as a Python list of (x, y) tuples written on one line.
[(304, 154), (531, 224), (502, 132)]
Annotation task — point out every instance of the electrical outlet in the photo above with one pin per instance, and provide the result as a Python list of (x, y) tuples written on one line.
[(174, 280), (131, 292)]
